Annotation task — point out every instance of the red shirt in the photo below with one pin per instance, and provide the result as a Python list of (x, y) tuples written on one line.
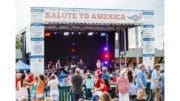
[(105, 88), (98, 82), (17, 80), (30, 77), (114, 79)]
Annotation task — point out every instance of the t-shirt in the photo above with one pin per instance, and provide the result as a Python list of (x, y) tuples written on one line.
[(53, 84), (105, 76), (17, 80), (105, 88), (89, 83), (140, 76), (34, 88), (123, 85), (98, 82), (155, 76), (76, 84), (40, 88), (114, 79), (30, 77), (132, 89)]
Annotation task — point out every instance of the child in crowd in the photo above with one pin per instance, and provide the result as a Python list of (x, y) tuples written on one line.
[(40, 88)]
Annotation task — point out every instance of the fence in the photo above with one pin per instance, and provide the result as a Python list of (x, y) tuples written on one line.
[(64, 93)]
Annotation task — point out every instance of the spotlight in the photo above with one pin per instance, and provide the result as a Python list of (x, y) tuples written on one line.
[(103, 34), (106, 55), (73, 57), (66, 33), (106, 62), (106, 48), (47, 34), (90, 33), (73, 43), (72, 50)]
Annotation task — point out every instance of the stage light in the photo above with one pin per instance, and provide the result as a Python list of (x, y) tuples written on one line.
[(55, 33), (106, 55), (66, 33), (72, 33), (79, 33), (73, 43), (47, 34), (106, 62), (103, 34), (106, 48), (73, 57), (90, 33), (72, 50)]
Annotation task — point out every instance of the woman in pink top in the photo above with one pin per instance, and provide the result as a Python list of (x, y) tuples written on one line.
[(123, 86)]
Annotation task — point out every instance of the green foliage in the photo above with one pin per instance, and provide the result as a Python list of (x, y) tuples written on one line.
[(18, 42)]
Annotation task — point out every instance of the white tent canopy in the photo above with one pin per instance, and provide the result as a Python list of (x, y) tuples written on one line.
[(21, 65)]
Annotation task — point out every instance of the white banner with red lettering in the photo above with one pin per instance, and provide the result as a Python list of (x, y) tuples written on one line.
[(96, 16)]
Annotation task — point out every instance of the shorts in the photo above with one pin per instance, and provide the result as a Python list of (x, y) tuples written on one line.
[(54, 94), (33, 96), (39, 95)]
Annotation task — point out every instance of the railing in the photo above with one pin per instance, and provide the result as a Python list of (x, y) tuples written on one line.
[(64, 93)]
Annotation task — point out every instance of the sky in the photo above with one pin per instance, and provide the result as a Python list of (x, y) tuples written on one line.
[(23, 12)]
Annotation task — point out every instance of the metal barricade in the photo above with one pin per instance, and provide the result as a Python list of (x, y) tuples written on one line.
[(64, 93)]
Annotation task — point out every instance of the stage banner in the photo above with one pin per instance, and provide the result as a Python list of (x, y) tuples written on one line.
[(148, 39), (55, 15), (37, 48)]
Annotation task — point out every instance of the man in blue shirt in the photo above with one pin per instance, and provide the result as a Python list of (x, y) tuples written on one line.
[(105, 74), (141, 80)]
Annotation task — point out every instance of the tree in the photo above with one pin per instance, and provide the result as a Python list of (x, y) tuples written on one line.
[(18, 42)]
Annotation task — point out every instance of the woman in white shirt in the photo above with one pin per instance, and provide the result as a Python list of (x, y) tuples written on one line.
[(53, 84), (22, 85)]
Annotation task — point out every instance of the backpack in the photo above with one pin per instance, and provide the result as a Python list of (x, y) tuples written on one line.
[(123, 85)]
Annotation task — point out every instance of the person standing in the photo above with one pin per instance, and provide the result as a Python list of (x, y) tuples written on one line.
[(40, 88), (97, 91), (89, 81), (123, 86), (34, 88), (141, 80), (58, 66), (132, 89), (22, 85), (76, 87), (98, 64), (81, 65), (162, 85), (53, 84), (155, 83), (105, 74)]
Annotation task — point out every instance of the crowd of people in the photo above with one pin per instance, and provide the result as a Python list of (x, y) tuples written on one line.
[(120, 84)]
